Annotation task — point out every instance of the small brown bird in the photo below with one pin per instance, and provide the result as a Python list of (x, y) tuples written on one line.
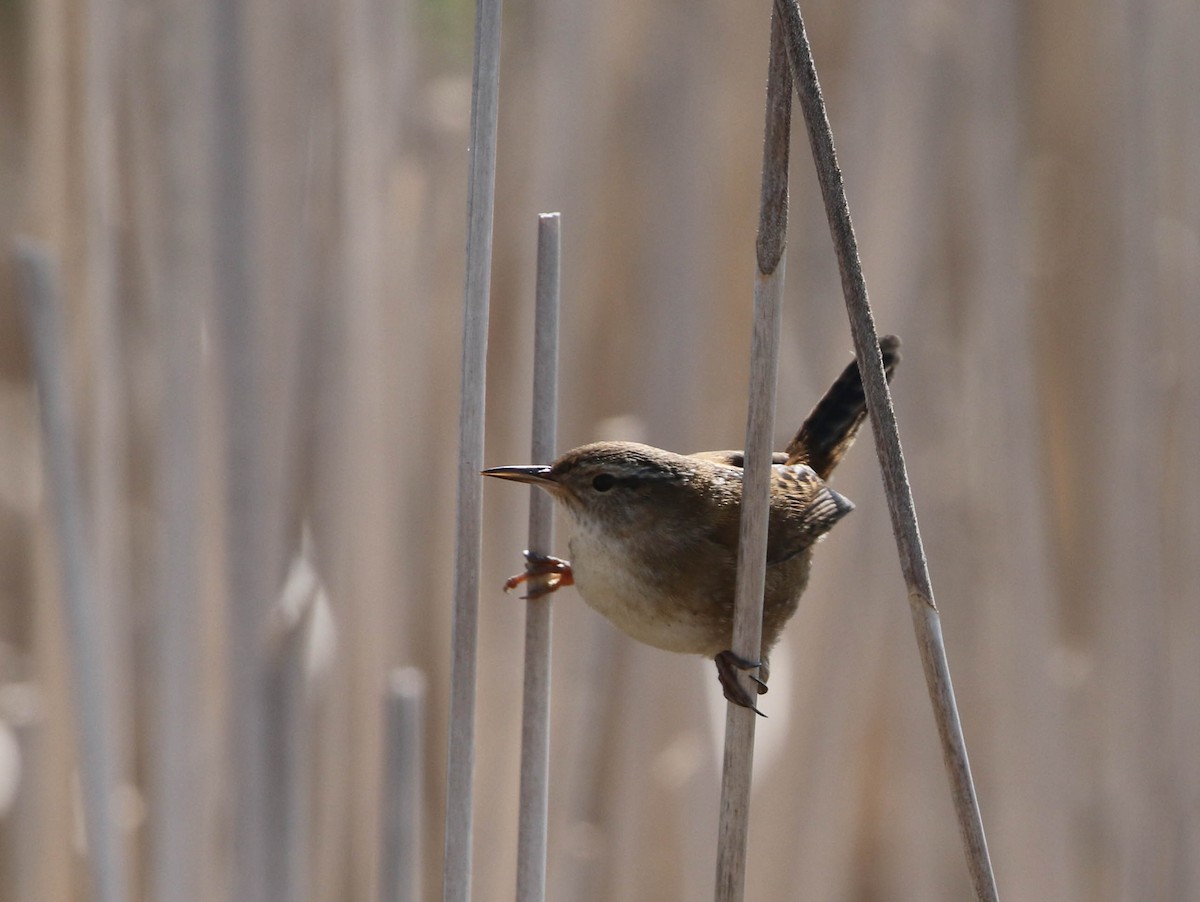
[(655, 534)]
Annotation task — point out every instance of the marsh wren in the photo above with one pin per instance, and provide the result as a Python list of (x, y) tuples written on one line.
[(655, 534)]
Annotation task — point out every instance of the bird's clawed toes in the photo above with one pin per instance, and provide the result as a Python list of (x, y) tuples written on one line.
[(545, 574), (729, 665)]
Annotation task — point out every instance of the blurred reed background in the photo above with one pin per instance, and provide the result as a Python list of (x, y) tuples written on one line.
[(263, 326)]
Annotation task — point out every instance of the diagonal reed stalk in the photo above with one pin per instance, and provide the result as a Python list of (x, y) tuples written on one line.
[(88, 641), (926, 621)]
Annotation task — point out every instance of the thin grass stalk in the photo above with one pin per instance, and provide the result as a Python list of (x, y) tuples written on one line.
[(176, 213), (175, 763), (21, 849), (87, 639), (535, 711), (286, 742), (250, 577), (901, 506), (481, 193), (734, 825), (403, 789), (109, 454), (300, 645)]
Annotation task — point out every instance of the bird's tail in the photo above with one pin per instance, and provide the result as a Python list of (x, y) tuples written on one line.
[(830, 429)]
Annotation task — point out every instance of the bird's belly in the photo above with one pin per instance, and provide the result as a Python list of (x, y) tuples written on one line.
[(640, 608)]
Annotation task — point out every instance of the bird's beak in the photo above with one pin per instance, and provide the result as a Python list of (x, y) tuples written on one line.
[(534, 475)]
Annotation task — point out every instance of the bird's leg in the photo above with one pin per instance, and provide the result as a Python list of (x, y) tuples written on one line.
[(556, 572), (728, 665)]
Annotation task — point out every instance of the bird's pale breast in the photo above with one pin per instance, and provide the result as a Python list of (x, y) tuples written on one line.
[(637, 604)]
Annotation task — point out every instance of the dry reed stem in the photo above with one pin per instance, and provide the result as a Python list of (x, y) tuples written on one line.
[(299, 648), (535, 714), (175, 210), (403, 789), (926, 622), (481, 190), (733, 828), (250, 576), (87, 639)]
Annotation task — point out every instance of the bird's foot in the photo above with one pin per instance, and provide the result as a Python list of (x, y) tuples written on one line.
[(548, 574), (728, 666)]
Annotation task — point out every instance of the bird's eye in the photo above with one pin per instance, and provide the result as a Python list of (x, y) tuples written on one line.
[(604, 482)]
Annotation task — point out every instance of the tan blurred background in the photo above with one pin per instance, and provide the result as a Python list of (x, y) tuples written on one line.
[(1025, 181)]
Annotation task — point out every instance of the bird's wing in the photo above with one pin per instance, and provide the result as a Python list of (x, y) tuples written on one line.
[(802, 510)]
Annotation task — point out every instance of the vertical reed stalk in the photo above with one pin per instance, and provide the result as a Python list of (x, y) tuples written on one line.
[(403, 790), (481, 191), (176, 213), (242, 362), (734, 825), (535, 717)]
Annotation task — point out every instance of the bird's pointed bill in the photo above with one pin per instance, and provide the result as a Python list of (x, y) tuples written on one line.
[(533, 474)]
